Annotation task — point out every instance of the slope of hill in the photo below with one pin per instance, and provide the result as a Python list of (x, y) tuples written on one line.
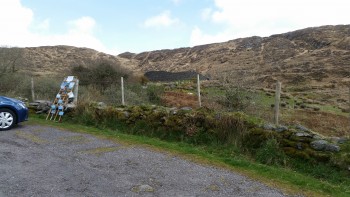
[(313, 60), (52, 60)]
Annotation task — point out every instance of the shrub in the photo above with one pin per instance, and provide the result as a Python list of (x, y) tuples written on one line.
[(46, 87), (230, 128), (237, 99), (15, 84), (102, 74), (270, 153), (154, 94)]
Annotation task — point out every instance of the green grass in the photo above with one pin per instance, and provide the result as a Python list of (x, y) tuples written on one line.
[(290, 181), (331, 109)]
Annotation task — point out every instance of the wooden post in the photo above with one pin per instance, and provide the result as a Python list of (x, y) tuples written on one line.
[(76, 89), (199, 91), (122, 86), (33, 95), (277, 102)]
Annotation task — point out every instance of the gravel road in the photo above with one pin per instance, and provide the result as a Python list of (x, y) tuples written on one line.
[(45, 161)]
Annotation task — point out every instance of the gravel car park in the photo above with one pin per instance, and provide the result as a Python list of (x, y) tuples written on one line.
[(46, 161)]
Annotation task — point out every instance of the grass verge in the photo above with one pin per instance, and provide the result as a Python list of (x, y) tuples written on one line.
[(287, 180)]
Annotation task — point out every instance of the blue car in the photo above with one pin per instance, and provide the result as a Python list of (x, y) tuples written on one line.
[(12, 111)]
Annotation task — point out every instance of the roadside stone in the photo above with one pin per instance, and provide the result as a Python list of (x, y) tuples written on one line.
[(302, 128), (319, 144), (332, 148), (303, 134), (268, 126), (186, 108), (317, 137), (281, 128)]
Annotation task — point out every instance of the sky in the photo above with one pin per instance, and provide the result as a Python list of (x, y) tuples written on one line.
[(117, 26)]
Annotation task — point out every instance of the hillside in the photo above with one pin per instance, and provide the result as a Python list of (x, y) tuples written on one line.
[(320, 49), (312, 62), (52, 60)]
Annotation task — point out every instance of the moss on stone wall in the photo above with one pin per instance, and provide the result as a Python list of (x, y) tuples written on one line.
[(204, 126)]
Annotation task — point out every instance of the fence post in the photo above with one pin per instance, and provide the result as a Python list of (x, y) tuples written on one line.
[(32, 89), (76, 90), (122, 86), (199, 91), (277, 102)]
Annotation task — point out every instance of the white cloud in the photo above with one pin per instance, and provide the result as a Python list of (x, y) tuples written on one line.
[(43, 26), (176, 2), (242, 18), (198, 37), (84, 25), (16, 22), (162, 20), (206, 13)]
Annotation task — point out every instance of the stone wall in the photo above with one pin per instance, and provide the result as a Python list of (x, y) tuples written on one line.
[(296, 140)]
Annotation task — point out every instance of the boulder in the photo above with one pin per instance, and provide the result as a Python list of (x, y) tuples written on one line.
[(323, 145), (332, 148), (281, 128), (41, 106), (302, 128), (303, 134), (186, 108), (268, 126), (319, 145)]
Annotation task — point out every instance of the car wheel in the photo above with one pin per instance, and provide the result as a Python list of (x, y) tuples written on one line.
[(7, 119)]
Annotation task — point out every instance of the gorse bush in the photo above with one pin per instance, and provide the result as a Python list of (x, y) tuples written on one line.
[(238, 99), (101, 75), (154, 94)]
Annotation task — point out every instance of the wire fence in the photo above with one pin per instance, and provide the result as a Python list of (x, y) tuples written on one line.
[(271, 105)]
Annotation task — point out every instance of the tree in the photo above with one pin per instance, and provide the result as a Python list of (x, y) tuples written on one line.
[(10, 57)]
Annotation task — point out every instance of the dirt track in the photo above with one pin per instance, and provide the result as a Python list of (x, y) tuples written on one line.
[(44, 161)]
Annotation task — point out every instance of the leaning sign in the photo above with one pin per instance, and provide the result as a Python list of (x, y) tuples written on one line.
[(66, 97)]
